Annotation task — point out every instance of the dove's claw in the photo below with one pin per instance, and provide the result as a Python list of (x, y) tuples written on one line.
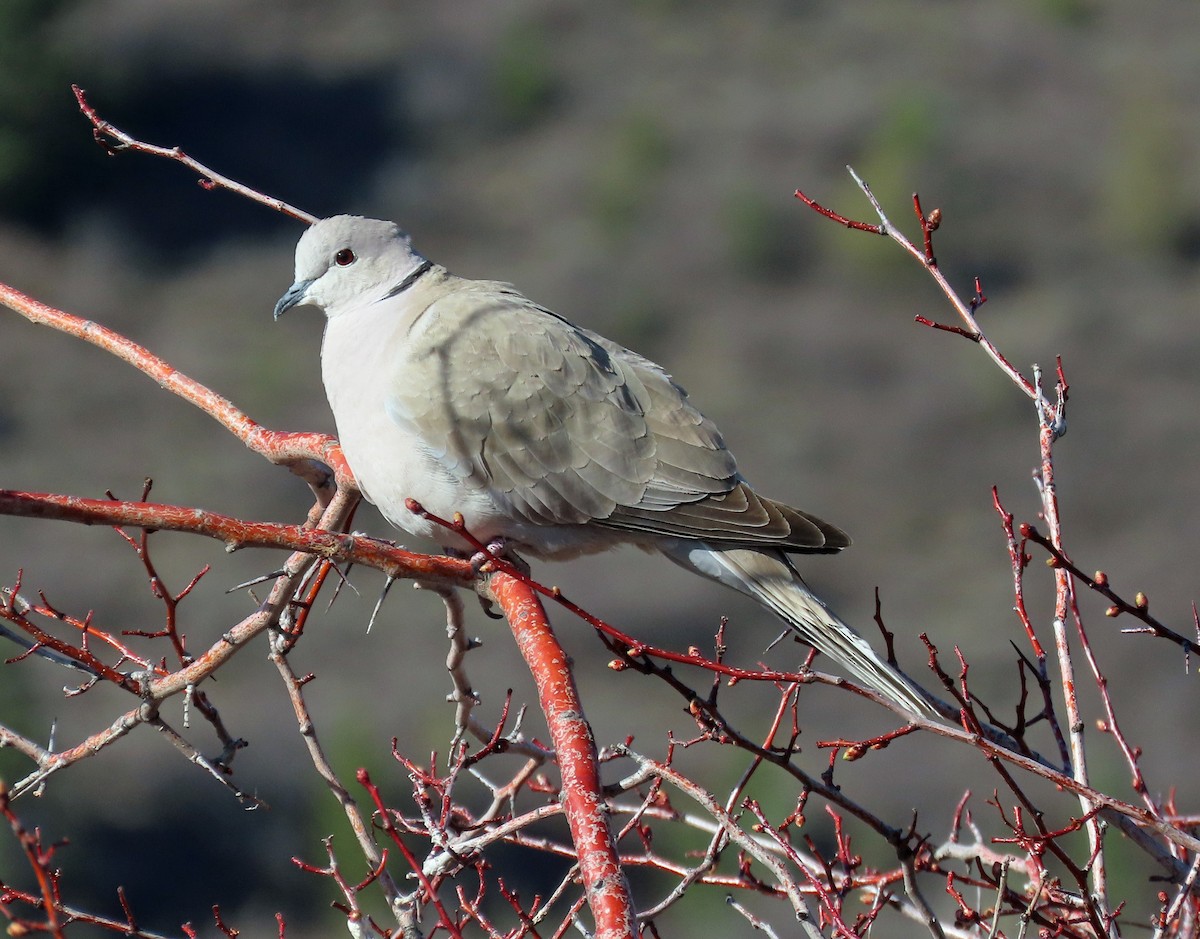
[(494, 549)]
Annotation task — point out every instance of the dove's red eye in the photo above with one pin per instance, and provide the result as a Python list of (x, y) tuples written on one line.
[(344, 257)]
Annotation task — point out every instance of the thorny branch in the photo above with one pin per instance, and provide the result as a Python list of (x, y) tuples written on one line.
[(1051, 422), (459, 815)]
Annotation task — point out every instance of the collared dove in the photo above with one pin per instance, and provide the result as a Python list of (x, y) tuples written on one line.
[(468, 397)]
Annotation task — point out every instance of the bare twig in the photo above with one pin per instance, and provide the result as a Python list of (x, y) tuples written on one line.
[(115, 141)]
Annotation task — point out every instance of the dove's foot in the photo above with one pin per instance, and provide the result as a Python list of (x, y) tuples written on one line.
[(496, 548)]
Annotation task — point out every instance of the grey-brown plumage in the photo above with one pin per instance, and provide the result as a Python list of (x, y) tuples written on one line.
[(468, 397)]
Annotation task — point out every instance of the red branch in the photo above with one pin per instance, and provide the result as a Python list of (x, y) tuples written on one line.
[(293, 450), (836, 217), (238, 533), (586, 811)]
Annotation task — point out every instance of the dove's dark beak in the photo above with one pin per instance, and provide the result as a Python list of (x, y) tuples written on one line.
[(295, 296)]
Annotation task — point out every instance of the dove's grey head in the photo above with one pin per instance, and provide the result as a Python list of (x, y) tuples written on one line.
[(346, 261)]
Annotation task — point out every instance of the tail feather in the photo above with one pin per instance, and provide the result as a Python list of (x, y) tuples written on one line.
[(769, 578)]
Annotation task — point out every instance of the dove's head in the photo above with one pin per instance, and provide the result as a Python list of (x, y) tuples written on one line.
[(346, 261)]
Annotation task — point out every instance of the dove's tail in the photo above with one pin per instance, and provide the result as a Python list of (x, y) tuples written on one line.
[(769, 578)]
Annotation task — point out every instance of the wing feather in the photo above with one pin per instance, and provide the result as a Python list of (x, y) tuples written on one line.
[(569, 428)]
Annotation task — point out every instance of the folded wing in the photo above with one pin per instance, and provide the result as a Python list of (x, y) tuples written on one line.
[(570, 428)]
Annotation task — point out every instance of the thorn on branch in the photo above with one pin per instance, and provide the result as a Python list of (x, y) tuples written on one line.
[(110, 148), (979, 299)]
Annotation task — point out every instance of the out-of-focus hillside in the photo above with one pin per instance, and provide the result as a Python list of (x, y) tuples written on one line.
[(630, 166)]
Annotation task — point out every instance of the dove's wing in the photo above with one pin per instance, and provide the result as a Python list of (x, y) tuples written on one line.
[(569, 428)]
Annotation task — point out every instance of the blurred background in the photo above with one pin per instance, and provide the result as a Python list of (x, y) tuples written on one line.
[(630, 165)]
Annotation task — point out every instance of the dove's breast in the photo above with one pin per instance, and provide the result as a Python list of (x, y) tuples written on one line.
[(364, 352)]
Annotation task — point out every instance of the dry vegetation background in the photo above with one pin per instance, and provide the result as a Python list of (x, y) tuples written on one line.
[(630, 165)]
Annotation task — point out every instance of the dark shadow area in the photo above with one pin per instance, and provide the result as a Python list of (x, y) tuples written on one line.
[(197, 841)]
